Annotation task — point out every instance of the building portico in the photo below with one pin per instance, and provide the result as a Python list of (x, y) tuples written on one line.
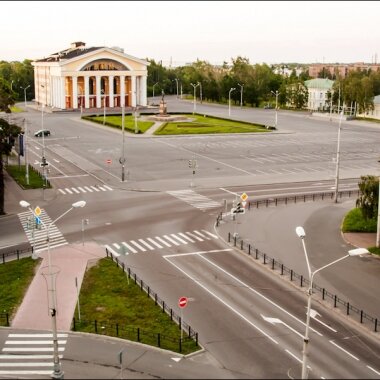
[(90, 78)]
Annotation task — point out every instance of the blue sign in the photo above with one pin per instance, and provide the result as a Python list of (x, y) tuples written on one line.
[(38, 220)]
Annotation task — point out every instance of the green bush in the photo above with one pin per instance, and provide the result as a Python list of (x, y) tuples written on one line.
[(354, 221)]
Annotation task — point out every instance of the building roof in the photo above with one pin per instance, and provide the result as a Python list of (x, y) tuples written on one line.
[(319, 83)]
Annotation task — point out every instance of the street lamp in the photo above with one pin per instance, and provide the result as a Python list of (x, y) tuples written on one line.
[(104, 104), (200, 91), (276, 94), (122, 158), (241, 94), (378, 220), (58, 373), (337, 159), (25, 88), (353, 252), (153, 92), (176, 80), (229, 100), (195, 98)]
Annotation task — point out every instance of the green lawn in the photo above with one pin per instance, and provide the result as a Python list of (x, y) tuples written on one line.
[(18, 174), (15, 279), (205, 124), (354, 222), (16, 109), (115, 121), (120, 308)]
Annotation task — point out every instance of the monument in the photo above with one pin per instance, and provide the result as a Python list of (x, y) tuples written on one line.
[(162, 109)]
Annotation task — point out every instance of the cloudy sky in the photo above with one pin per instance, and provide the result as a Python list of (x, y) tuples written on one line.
[(184, 31)]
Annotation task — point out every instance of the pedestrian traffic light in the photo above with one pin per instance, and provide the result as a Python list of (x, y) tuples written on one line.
[(239, 209)]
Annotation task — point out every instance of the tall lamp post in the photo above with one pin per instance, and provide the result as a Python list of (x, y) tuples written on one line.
[(200, 91), (241, 94), (153, 92), (122, 158), (353, 252), (25, 88), (26, 152), (229, 100), (276, 95), (338, 159), (58, 373), (195, 96), (378, 220), (176, 80)]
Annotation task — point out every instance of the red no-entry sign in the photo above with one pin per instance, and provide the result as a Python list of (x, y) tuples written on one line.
[(182, 302), (109, 161)]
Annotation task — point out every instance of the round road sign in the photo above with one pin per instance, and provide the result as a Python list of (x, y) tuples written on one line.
[(182, 302)]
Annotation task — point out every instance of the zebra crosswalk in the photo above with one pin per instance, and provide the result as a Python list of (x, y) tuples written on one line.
[(194, 199), (37, 236), (84, 189), (159, 242), (29, 354)]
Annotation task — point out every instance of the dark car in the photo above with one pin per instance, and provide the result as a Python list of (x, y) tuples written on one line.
[(41, 132)]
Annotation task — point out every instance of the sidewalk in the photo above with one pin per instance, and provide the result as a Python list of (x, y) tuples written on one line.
[(71, 262)]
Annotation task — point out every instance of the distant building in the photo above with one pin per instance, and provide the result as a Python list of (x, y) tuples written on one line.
[(341, 70), (317, 93), (90, 78)]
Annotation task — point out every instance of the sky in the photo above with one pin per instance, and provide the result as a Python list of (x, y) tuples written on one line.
[(180, 32)]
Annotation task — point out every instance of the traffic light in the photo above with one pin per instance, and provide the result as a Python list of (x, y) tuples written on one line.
[(239, 209), (190, 163), (43, 162)]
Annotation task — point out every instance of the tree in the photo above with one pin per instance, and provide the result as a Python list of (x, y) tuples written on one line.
[(369, 196), (8, 133), (6, 96)]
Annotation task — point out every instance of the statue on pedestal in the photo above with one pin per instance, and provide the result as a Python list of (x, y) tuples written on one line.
[(162, 104)]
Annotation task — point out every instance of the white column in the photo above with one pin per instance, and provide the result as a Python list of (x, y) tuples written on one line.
[(122, 90), (133, 91), (86, 91), (75, 92), (144, 101), (110, 87), (98, 94)]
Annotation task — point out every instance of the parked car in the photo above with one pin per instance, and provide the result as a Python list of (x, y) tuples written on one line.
[(268, 106), (41, 132)]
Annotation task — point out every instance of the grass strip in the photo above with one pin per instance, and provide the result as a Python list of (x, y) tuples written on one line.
[(355, 222), (35, 178), (120, 308)]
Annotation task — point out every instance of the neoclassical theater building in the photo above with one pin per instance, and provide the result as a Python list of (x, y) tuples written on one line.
[(91, 77)]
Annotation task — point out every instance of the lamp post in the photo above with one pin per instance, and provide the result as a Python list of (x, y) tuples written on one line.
[(26, 152), (153, 92), (104, 105), (229, 100), (176, 80), (24, 88), (200, 91), (195, 96), (241, 94), (276, 94), (353, 252), (58, 373), (378, 220), (338, 158), (122, 158)]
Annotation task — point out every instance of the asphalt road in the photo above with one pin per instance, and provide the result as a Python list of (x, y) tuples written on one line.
[(157, 204)]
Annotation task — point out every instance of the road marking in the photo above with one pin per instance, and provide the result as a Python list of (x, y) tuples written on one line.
[(75, 190), (112, 251), (107, 187), (194, 236), (186, 237), (314, 314), (162, 241), (26, 364), (81, 189), (378, 373), (68, 190), (21, 357), (224, 302), (138, 246), (227, 191), (171, 240), (209, 233), (31, 349), (198, 253), (87, 188), (26, 373), (154, 242), (294, 356), (273, 321), (348, 353), (117, 246), (34, 342), (36, 335), (258, 293), (201, 235), (129, 247), (178, 238), (146, 244), (95, 188), (61, 191)]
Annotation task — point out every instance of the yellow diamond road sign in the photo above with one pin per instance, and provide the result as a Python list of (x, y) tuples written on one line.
[(37, 211), (244, 197)]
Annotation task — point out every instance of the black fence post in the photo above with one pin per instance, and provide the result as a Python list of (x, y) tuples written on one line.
[(171, 314), (323, 293), (234, 241), (117, 329), (229, 237), (272, 263), (291, 274), (74, 323), (158, 340), (348, 308), (3, 258), (155, 298), (301, 280), (196, 336), (96, 326), (180, 344), (241, 245), (135, 278), (361, 316), (129, 272), (249, 249), (7, 317), (180, 323), (376, 325), (265, 258), (282, 269), (18, 254), (163, 306), (148, 291), (335, 300), (257, 252), (138, 334)]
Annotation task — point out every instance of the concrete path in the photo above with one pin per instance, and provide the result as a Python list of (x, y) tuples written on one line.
[(71, 262)]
